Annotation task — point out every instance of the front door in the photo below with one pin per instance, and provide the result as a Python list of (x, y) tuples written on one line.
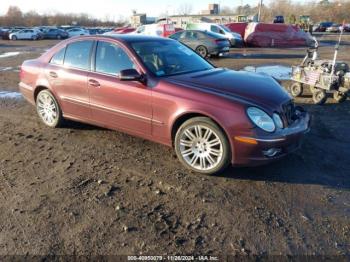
[(118, 104)]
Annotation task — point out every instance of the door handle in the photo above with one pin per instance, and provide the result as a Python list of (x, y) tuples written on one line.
[(94, 83), (53, 74)]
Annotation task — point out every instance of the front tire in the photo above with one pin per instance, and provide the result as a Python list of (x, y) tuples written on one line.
[(48, 109), (319, 97), (296, 89), (14, 38), (202, 146)]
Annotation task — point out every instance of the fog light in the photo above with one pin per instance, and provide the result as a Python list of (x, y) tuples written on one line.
[(272, 152)]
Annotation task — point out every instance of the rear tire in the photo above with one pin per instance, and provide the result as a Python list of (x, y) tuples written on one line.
[(319, 97), (296, 89), (48, 109), (202, 51), (202, 146)]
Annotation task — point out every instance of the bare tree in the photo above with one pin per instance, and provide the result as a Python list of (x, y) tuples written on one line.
[(226, 10), (185, 9), (14, 16)]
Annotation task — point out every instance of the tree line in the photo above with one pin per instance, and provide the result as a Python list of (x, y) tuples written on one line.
[(324, 10), (15, 17)]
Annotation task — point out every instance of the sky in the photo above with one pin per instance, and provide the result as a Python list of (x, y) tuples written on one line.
[(114, 9)]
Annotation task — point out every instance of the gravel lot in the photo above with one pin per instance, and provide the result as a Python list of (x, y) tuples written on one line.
[(83, 190)]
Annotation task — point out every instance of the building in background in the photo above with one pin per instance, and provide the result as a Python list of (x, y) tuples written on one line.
[(137, 20), (213, 9)]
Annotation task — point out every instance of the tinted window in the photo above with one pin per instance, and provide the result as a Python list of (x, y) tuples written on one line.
[(58, 58), (167, 57), (78, 54), (111, 59), (192, 35), (215, 29), (176, 36)]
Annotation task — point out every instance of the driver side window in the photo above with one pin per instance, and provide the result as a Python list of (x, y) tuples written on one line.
[(111, 59)]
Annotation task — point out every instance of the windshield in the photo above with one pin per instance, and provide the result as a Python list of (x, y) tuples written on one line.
[(165, 58)]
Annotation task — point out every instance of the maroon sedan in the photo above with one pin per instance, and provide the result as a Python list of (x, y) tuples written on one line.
[(161, 90)]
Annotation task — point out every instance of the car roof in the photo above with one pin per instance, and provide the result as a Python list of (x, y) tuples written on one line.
[(129, 38)]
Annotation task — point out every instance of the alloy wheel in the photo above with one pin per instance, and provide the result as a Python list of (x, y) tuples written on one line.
[(47, 108), (202, 51), (201, 147)]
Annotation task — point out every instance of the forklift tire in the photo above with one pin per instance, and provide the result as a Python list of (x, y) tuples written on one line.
[(296, 89), (319, 97), (340, 97)]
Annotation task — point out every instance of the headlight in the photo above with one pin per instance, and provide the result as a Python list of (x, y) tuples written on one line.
[(261, 119), (278, 120)]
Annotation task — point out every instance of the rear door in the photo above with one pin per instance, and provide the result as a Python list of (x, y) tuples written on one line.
[(118, 104), (189, 39), (67, 73)]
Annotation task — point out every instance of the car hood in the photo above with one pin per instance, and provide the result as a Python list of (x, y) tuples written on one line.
[(256, 89)]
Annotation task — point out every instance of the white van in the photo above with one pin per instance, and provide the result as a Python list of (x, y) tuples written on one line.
[(235, 38), (163, 30)]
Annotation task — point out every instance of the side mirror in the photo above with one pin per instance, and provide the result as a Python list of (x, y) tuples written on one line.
[(129, 75)]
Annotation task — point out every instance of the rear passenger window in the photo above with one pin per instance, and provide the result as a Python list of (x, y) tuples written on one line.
[(78, 55), (111, 59), (215, 29), (57, 59)]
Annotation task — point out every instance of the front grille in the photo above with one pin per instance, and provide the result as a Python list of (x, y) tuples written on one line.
[(288, 113)]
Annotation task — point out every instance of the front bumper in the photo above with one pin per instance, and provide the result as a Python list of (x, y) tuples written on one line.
[(236, 42), (254, 150)]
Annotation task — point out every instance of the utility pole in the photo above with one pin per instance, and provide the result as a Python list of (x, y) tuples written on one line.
[(259, 13)]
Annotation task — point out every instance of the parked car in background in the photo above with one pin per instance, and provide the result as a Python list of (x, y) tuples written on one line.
[(346, 28), (163, 91), (55, 33), (77, 31), (123, 30), (203, 42), (276, 35), (24, 34), (95, 31), (334, 28), (279, 19), (6, 33), (39, 32), (321, 27), (238, 27), (163, 30), (234, 38), (2, 32)]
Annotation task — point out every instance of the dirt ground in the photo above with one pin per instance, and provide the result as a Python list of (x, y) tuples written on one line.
[(83, 190)]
